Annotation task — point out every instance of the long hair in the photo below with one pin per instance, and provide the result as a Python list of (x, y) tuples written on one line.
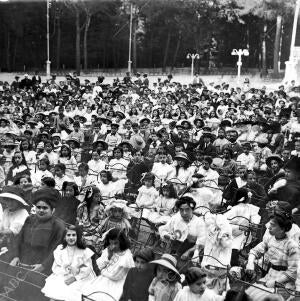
[(171, 189), (120, 235), (23, 162), (79, 242), (69, 151)]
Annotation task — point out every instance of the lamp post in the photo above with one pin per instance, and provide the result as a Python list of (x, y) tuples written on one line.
[(130, 39), (48, 63), (192, 56), (290, 70), (239, 63)]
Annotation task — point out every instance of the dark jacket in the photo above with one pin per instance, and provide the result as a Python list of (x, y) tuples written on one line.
[(66, 209), (37, 241)]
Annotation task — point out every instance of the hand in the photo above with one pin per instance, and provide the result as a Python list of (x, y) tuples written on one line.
[(185, 255), (270, 283), (70, 280), (15, 261), (37, 267)]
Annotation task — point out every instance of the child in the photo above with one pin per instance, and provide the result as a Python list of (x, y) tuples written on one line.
[(139, 278), (118, 165), (240, 216), (68, 160), (96, 164), (162, 170), (66, 208), (59, 175), (72, 268), (42, 172), (115, 262), (83, 181), (196, 289), (19, 167), (49, 153), (147, 194), (117, 213), (165, 204), (107, 187), (74, 145), (166, 284), (89, 214)]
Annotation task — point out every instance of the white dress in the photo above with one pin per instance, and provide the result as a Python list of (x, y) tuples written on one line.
[(64, 259), (112, 278), (238, 216), (185, 294)]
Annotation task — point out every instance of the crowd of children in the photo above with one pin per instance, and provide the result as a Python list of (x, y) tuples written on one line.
[(204, 167)]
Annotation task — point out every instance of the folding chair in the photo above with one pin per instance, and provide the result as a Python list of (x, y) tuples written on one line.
[(105, 295)]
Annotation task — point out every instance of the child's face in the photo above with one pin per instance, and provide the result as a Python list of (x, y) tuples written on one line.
[(117, 213), (162, 272), (103, 178), (140, 263), (117, 154), (69, 191), (163, 158), (114, 245), (58, 172), (138, 157), (18, 158), (71, 237), (48, 148), (165, 192), (24, 182), (64, 152), (148, 183), (43, 166), (95, 156)]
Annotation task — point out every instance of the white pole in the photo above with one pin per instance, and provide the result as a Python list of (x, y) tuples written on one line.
[(192, 68), (294, 29), (130, 39), (48, 46)]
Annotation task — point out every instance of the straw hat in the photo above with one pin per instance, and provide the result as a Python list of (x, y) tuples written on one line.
[(182, 156), (75, 140), (15, 193), (138, 142), (167, 261), (104, 144), (274, 157), (117, 203)]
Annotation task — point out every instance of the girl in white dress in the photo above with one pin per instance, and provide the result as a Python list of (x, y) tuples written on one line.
[(240, 216), (72, 268), (147, 195), (114, 264), (164, 205)]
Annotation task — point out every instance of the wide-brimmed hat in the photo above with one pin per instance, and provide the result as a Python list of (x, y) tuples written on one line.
[(201, 121), (115, 124), (104, 144), (125, 143), (15, 193), (145, 119), (167, 261), (116, 203), (274, 157), (32, 121), (44, 134), (75, 140), (9, 142), (186, 122), (182, 156), (137, 142), (4, 119), (121, 114)]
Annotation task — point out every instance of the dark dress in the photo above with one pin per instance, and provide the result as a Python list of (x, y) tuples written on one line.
[(137, 284), (66, 209)]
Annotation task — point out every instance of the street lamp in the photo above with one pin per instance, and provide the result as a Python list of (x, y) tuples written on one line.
[(290, 69), (48, 42), (192, 56), (130, 39), (239, 53)]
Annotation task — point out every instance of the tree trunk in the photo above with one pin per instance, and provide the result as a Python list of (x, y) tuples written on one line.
[(264, 50), (8, 66), (15, 53), (166, 51), (58, 42), (277, 45), (176, 51), (77, 42), (86, 30), (134, 48)]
